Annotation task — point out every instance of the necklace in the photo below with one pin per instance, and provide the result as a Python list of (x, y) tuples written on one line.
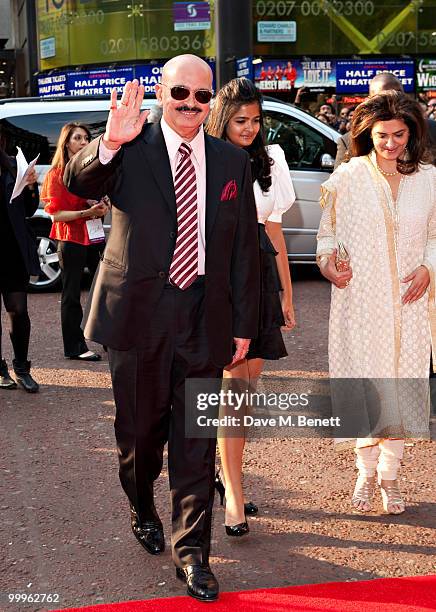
[(387, 173)]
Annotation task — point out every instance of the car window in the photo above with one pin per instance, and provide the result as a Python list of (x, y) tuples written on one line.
[(303, 146), (39, 133)]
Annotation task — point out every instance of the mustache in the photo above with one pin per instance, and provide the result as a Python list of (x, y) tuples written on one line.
[(185, 107)]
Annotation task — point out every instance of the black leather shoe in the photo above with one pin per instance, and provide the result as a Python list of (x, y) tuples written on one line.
[(6, 382), (237, 530), (201, 583), (148, 533), (24, 379)]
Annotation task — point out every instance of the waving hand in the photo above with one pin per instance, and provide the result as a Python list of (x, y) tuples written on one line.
[(125, 119)]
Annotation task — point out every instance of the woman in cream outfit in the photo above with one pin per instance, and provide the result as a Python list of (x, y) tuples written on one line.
[(382, 207)]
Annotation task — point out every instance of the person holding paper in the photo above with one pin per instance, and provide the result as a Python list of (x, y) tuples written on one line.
[(78, 228), (18, 250)]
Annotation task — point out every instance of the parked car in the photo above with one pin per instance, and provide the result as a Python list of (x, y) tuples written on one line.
[(34, 125)]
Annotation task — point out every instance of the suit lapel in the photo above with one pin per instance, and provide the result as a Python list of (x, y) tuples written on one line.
[(157, 156), (214, 182)]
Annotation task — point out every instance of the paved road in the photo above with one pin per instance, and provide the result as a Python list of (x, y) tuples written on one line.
[(65, 526)]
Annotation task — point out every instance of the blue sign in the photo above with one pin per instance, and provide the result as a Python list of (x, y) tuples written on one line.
[(52, 85), (244, 67), (277, 31), (98, 82), (47, 47), (191, 16), (148, 76), (354, 76)]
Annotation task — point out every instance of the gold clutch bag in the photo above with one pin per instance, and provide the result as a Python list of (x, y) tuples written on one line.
[(342, 258)]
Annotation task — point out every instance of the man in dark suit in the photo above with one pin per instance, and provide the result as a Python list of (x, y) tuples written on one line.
[(382, 82), (177, 287)]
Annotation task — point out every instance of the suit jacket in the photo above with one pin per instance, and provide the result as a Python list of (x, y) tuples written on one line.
[(344, 144), (138, 254), (21, 207)]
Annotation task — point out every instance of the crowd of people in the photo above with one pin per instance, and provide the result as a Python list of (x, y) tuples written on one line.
[(339, 121), (340, 116), (194, 281)]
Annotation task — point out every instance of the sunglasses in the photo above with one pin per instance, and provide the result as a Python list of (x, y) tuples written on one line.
[(179, 92)]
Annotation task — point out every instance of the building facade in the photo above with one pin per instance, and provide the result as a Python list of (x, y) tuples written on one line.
[(85, 47)]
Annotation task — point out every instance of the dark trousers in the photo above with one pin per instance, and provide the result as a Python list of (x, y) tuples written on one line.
[(73, 258), (149, 391), (16, 306)]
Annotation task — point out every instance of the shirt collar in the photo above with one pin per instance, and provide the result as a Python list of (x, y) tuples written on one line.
[(173, 142)]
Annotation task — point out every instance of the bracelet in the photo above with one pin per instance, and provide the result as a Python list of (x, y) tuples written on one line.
[(323, 258)]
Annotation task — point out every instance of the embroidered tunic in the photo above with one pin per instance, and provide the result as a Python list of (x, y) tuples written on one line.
[(372, 335)]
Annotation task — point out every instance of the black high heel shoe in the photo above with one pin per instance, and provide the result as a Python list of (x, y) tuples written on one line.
[(237, 530), (220, 488), (250, 509)]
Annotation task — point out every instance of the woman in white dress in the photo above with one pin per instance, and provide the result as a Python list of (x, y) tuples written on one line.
[(382, 206), (237, 117)]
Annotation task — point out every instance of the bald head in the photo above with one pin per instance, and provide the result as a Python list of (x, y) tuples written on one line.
[(185, 64), (185, 79), (384, 82)]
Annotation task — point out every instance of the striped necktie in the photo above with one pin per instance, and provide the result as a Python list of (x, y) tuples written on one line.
[(184, 266)]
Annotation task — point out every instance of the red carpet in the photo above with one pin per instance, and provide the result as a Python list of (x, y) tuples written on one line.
[(414, 594)]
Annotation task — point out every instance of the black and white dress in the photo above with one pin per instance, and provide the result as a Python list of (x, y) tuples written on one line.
[(271, 206)]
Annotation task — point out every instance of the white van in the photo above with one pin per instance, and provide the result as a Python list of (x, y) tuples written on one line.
[(34, 125)]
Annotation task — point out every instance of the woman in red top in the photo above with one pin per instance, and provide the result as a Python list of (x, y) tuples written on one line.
[(79, 231)]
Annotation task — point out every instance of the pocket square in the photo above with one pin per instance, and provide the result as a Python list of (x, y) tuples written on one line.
[(229, 192)]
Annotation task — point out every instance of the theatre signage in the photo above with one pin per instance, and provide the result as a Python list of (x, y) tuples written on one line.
[(100, 81), (282, 75), (354, 76), (426, 75)]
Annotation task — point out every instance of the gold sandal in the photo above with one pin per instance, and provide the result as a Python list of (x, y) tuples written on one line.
[(391, 497), (363, 493)]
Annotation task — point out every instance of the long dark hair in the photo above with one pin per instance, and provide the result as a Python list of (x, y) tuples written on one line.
[(60, 158), (228, 101), (386, 106)]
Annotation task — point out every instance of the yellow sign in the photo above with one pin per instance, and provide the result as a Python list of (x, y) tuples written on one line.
[(74, 32)]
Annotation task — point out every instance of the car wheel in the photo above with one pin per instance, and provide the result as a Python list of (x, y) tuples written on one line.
[(50, 275)]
